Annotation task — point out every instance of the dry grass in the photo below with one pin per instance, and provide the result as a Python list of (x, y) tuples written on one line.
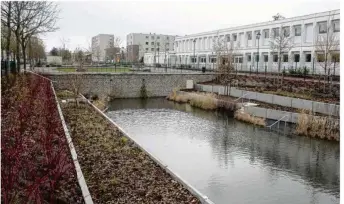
[(245, 117), (318, 126), (205, 101), (64, 94), (101, 104)]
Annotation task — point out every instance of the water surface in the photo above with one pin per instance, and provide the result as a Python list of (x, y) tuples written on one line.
[(230, 161)]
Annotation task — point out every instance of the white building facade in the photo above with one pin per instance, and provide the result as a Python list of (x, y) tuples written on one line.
[(99, 44), (304, 31), (151, 43)]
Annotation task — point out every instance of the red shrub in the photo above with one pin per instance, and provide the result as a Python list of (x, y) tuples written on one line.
[(35, 156)]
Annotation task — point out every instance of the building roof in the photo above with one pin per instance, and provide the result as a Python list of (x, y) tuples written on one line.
[(285, 20)]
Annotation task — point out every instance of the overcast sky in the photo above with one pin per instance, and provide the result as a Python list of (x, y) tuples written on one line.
[(80, 20)]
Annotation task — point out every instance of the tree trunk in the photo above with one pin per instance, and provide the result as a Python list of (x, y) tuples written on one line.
[(18, 52), (8, 43), (24, 53)]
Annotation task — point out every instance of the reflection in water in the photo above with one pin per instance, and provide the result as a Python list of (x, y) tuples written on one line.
[(230, 161)]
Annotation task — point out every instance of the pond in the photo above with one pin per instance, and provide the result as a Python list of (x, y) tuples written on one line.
[(230, 161)]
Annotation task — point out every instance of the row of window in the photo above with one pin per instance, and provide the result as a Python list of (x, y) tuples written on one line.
[(297, 30), (158, 37), (284, 58), (158, 43), (157, 49)]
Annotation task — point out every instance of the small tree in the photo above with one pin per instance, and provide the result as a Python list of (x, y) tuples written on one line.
[(327, 44), (76, 83), (225, 51), (54, 52), (281, 43)]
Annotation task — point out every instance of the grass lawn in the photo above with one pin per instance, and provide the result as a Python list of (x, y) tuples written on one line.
[(96, 69)]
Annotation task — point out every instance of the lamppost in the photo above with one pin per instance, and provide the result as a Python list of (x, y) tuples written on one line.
[(194, 55), (258, 36)]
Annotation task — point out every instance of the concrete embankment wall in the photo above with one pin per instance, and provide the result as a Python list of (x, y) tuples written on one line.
[(126, 85), (314, 106)]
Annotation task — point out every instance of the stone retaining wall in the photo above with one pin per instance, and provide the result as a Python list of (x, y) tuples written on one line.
[(124, 85)]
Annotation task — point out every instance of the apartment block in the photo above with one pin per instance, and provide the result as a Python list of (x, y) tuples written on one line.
[(99, 45), (252, 44), (151, 43)]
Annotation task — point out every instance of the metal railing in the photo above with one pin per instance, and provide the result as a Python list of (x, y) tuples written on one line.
[(278, 123)]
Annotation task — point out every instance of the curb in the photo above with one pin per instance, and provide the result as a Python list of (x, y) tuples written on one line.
[(81, 179), (204, 199)]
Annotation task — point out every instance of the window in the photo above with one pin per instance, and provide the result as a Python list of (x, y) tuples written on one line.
[(240, 59), (167, 38), (249, 36), (257, 58), (285, 58), (146, 43), (336, 26), (275, 58), (266, 33), (249, 58), (320, 57), (234, 37), (167, 44), (335, 57), (202, 60), (152, 37), (167, 49), (193, 59), (152, 43), (213, 60), (296, 58), (236, 60), (275, 32), (266, 58), (146, 49), (286, 31), (308, 57), (157, 49), (322, 27), (297, 30), (228, 37), (158, 43), (158, 37), (152, 49), (147, 37)]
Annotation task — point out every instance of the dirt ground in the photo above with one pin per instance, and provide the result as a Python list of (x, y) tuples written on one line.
[(116, 171)]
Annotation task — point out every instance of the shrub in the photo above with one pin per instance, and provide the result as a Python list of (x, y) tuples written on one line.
[(245, 117), (318, 126)]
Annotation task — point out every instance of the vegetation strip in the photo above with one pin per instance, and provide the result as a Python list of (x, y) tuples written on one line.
[(115, 168), (80, 176), (36, 164)]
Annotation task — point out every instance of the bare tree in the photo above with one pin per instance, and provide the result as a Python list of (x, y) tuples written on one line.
[(35, 51), (225, 50), (76, 83), (327, 45), (117, 41), (29, 19), (6, 15), (281, 43), (80, 58)]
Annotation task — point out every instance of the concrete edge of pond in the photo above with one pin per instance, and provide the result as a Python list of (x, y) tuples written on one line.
[(80, 176), (204, 199)]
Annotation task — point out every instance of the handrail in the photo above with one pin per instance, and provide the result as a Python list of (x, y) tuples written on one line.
[(243, 96), (276, 121)]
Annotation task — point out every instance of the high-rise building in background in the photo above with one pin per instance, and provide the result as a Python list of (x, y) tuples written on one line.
[(149, 43), (99, 45)]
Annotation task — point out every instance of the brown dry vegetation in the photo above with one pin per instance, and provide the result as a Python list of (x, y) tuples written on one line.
[(318, 126), (115, 170), (203, 100), (245, 117)]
